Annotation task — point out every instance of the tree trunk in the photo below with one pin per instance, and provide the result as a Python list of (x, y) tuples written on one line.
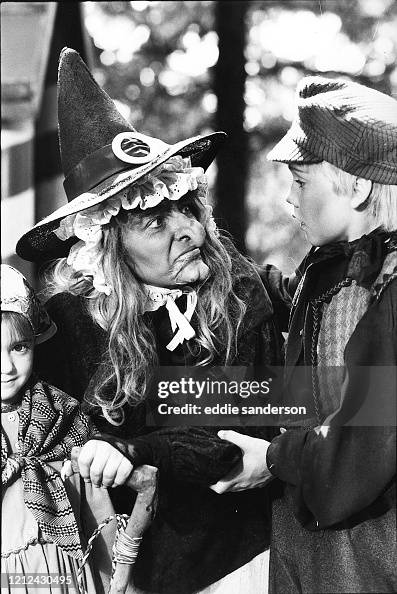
[(229, 86)]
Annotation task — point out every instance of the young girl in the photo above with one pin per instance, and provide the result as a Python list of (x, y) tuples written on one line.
[(41, 542)]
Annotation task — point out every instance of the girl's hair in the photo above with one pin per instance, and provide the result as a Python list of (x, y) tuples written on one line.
[(21, 328), (381, 204), (131, 356)]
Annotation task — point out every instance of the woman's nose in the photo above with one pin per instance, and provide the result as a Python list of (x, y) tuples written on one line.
[(183, 226)]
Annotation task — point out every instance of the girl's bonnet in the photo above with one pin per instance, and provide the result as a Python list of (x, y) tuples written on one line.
[(18, 296)]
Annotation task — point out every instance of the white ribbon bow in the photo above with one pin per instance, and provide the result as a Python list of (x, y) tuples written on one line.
[(159, 296)]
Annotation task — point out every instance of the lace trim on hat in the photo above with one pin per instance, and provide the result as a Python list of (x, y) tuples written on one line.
[(171, 180)]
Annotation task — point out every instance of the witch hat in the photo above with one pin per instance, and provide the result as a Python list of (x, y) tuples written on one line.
[(101, 154)]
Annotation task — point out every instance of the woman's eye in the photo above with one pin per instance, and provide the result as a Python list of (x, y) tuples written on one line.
[(299, 182), (155, 223), (186, 210), (21, 348)]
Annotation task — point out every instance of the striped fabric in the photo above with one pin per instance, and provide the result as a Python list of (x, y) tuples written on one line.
[(50, 424), (340, 317), (339, 320), (347, 124)]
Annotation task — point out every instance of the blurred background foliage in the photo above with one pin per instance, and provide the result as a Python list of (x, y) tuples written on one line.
[(159, 61)]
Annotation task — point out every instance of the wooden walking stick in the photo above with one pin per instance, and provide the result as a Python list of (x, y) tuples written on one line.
[(143, 480)]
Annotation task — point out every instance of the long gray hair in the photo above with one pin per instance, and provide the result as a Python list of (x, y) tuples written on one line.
[(130, 355)]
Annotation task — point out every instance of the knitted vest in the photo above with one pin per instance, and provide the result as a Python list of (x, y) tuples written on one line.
[(339, 318)]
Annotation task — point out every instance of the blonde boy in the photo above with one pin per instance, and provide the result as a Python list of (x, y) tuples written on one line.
[(334, 513)]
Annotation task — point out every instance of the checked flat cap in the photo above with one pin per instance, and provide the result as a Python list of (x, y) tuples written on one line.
[(347, 124)]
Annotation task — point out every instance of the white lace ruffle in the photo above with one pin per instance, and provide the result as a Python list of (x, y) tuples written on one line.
[(171, 180)]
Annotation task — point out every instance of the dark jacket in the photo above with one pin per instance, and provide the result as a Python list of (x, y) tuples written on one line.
[(333, 512), (349, 454), (197, 536)]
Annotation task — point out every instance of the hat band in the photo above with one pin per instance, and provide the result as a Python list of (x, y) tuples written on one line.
[(92, 170)]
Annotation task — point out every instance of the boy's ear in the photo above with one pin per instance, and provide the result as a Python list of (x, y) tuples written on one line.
[(361, 191)]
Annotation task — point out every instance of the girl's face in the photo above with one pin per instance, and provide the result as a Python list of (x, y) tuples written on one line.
[(163, 244), (16, 361)]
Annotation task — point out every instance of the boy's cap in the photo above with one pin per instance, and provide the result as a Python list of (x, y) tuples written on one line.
[(18, 296), (345, 123)]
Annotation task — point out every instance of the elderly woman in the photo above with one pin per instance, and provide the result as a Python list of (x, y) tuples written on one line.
[(144, 279)]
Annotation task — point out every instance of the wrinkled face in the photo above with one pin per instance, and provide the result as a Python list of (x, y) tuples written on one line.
[(16, 362), (324, 215), (163, 244)]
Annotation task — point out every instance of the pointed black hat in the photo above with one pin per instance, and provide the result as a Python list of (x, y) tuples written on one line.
[(101, 154), (87, 117)]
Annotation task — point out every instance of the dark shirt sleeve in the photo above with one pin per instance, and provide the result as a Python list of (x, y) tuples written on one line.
[(348, 465), (335, 475), (281, 290), (192, 454)]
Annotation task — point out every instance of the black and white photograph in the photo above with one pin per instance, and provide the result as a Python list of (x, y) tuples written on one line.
[(199, 297)]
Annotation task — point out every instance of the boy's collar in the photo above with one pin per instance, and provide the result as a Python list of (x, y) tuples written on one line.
[(362, 257)]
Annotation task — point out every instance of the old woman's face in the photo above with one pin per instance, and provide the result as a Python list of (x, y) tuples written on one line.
[(163, 244)]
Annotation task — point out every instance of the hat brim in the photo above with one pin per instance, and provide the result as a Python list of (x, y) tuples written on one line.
[(289, 151), (40, 337), (47, 334), (40, 243)]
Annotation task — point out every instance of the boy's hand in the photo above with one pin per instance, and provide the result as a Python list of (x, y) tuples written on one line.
[(101, 464), (252, 470)]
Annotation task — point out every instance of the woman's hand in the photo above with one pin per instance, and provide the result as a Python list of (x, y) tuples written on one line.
[(102, 464), (252, 470)]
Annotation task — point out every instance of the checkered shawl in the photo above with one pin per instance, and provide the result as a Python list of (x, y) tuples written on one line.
[(50, 424)]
